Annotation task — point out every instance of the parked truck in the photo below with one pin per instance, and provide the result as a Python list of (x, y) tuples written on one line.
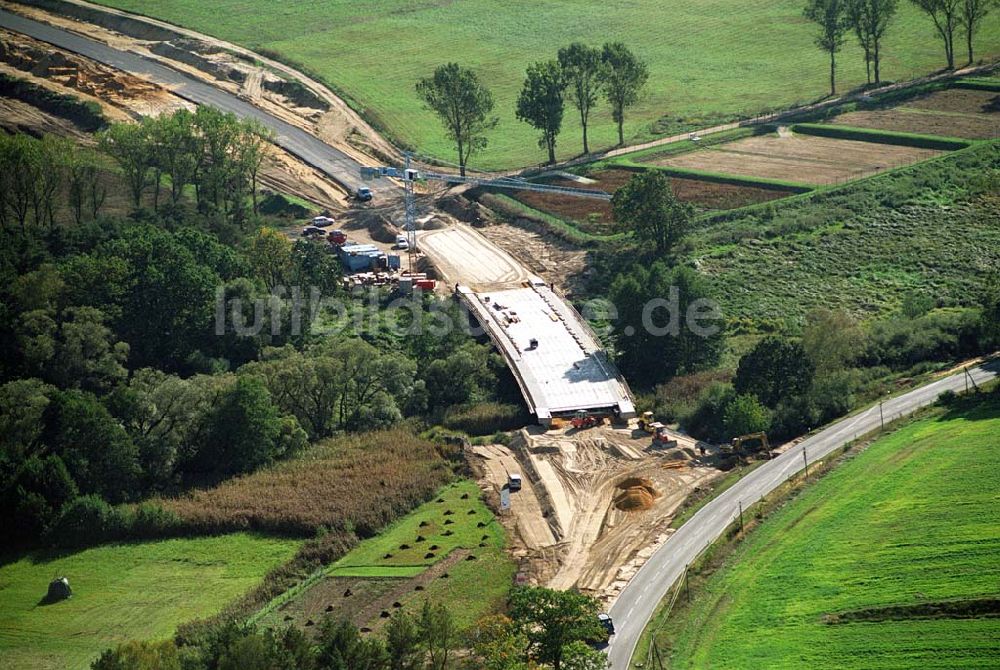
[(514, 482)]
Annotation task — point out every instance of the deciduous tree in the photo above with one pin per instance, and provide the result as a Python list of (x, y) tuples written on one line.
[(831, 17), (775, 369), (498, 645), (647, 207), (402, 640), (832, 340), (128, 144), (541, 103), (247, 430), (972, 14), (95, 448), (581, 656), (438, 634), (745, 414), (870, 19), (946, 15), (463, 104), (551, 620), (583, 70), (624, 77), (667, 323)]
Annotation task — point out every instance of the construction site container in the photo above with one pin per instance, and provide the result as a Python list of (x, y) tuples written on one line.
[(359, 257)]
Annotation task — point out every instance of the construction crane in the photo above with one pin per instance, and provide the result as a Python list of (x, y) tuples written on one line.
[(409, 175)]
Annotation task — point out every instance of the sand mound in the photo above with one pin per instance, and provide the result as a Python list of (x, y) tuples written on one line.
[(637, 493), (382, 230)]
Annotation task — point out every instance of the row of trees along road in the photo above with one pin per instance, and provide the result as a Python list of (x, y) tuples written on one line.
[(215, 152), (869, 20), (580, 73)]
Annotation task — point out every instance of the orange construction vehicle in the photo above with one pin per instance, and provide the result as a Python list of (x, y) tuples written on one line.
[(582, 420)]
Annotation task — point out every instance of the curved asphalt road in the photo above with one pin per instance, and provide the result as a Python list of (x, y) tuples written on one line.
[(309, 148), (640, 598)]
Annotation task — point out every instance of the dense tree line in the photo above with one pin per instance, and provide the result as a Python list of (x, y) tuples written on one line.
[(789, 384), (145, 353), (543, 629), (215, 152), (38, 177)]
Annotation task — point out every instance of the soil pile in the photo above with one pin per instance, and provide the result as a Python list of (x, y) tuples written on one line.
[(637, 494)]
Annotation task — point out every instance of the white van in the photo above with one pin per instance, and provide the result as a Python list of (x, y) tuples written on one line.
[(401, 242)]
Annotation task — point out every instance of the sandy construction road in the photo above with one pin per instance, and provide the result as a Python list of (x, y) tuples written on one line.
[(464, 256)]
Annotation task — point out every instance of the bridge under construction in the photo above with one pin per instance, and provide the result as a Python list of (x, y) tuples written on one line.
[(555, 357)]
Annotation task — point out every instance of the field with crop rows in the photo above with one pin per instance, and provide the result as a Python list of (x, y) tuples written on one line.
[(594, 216), (122, 592), (709, 60), (883, 563), (954, 112), (449, 550), (805, 159)]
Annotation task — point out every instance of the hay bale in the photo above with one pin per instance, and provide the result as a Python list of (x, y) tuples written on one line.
[(58, 590)]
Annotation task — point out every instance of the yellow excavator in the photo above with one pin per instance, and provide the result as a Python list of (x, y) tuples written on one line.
[(736, 446)]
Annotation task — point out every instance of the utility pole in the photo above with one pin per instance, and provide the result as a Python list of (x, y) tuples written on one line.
[(881, 416), (656, 653), (687, 586), (741, 517), (805, 460)]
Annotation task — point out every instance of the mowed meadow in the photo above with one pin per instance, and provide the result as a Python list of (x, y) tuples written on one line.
[(298, 515), (127, 591), (890, 561), (708, 59)]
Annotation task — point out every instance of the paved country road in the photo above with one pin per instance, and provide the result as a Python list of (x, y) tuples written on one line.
[(296, 141), (640, 598)]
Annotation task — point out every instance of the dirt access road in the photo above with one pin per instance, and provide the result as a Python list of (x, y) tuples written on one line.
[(463, 256), (123, 97)]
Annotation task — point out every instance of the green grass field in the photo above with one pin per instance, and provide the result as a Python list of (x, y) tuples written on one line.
[(423, 528), (911, 521), (471, 589), (931, 228), (709, 59), (122, 592)]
